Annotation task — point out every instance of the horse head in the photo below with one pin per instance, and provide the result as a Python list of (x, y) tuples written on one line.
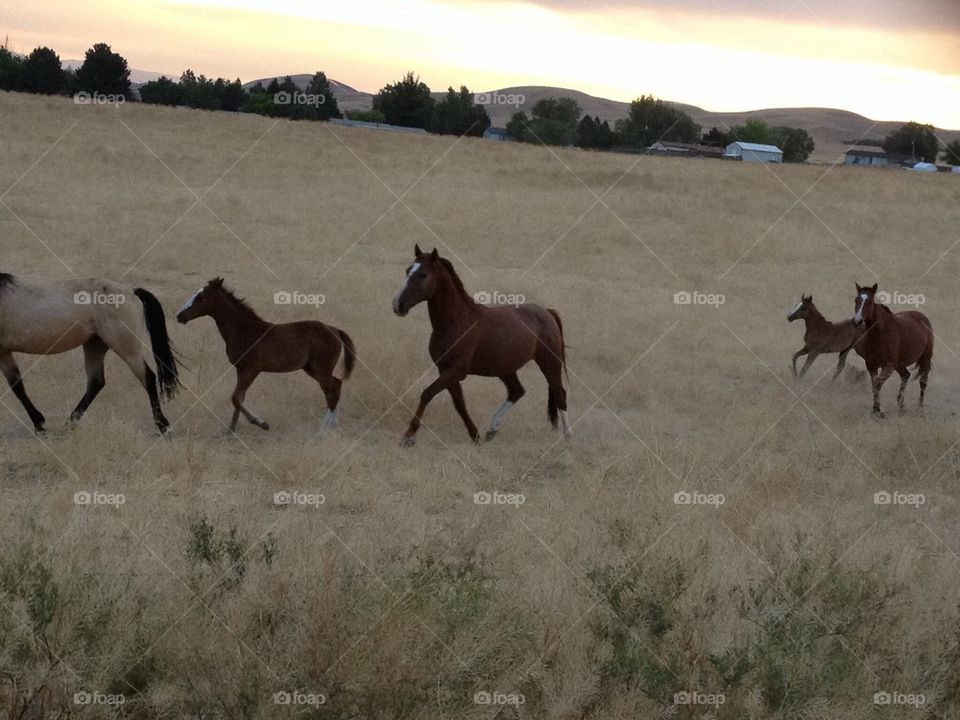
[(865, 305), (421, 282), (201, 302), (802, 309)]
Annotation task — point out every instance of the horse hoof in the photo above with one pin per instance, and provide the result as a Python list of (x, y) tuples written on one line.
[(264, 426), (879, 414), (491, 434), (408, 441)]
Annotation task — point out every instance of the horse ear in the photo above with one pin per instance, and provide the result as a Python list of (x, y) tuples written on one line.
[(809, 298), (218, 281), (874, 288), (417, 252), (434, 255), (859, 289)]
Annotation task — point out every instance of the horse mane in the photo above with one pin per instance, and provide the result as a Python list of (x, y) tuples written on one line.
[(457, 282), (239, 302), (889, 311), (6, 280)]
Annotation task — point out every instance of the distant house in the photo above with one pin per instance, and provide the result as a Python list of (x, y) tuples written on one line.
[(869, 158), (924, 167), (499, 134), (684, 149), (754, 152)]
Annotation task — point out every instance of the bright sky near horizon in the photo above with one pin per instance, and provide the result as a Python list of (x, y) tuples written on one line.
[(885, 59)]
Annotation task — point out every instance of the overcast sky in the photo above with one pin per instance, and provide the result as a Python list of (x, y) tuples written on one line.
[(887, 59)]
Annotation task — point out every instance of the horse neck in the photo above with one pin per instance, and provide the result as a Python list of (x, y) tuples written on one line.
[(235, 322), (814, 318), (449, 305)]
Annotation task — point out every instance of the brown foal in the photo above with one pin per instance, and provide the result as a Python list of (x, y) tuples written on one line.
[(822, 336), (254, 346)]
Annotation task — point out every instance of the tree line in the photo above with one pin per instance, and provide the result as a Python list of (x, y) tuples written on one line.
[(409, 102)]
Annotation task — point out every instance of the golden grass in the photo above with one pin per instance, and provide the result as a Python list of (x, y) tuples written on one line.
[(599, 596)]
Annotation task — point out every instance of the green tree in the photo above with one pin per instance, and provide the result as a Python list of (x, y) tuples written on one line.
[(553, 121), (104, 71), (374, 116), (162, 91), (951, 154), (517, 125), (796, 143), (232, 95), (42, 73), (753, 131), (407, 102), (915, 140), (594, 134), (458, 114), (716, 138), (198, 91), (650, 120), (10, 68), (319, 87)]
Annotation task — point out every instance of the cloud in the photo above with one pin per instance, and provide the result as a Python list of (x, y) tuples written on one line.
[(942, 15)]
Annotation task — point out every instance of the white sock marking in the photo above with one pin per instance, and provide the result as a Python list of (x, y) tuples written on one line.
[(500, 414), (565, 423)]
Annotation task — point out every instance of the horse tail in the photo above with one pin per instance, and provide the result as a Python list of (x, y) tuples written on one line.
[(563, 344), (349, 354), (168, 381)]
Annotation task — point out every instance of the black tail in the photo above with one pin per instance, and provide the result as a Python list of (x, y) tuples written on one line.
[(553, 405), (563, 344), (349, 354), (167, 381)]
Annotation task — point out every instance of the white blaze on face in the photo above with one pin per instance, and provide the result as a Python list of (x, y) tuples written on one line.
[(396, 300), (794, 311), (189, 303), (861, 301)]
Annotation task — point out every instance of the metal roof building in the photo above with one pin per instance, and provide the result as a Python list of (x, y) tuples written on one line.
[(754, 152)]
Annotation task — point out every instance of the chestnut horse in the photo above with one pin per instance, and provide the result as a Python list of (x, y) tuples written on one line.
[(891, 342), (51, 318), (821, 336), (255, 346), (473, 339)]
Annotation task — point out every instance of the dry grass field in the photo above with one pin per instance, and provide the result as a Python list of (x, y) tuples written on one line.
[(784, 591)]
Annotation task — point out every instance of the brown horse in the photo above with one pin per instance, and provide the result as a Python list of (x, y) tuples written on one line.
[(51, 318), (255, 346), (891, 342), (473, 339), (821, 336)]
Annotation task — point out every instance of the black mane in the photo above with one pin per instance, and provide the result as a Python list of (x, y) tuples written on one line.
[(239, 302), (457, 282), (6, 280)]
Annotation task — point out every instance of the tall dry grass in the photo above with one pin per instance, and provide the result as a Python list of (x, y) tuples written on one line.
[(400, 596)]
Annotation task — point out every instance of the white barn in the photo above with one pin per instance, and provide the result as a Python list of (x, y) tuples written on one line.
[(754, 152)]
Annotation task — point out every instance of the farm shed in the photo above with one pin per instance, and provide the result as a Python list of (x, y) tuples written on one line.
[(924, 167), (754, 152), (496, 133), (684, 149), (869, 158)]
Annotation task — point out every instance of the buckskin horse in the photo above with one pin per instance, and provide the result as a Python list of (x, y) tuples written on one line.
[(51, 318), (892, 342), (473, 339), (255, 346), (821, 336)]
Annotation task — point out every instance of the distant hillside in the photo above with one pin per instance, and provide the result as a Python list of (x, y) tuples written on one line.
[(831, 129)]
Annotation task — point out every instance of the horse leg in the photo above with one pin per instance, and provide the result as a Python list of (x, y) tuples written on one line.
[(446, 379), (245, 378), (841, 363), (515, 391), (456, 392), (904, 379), (94, 351), (144, 373), (10, 370), (552, 368), (811, 356), (878, 382), (331, 391), (799, 353)]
